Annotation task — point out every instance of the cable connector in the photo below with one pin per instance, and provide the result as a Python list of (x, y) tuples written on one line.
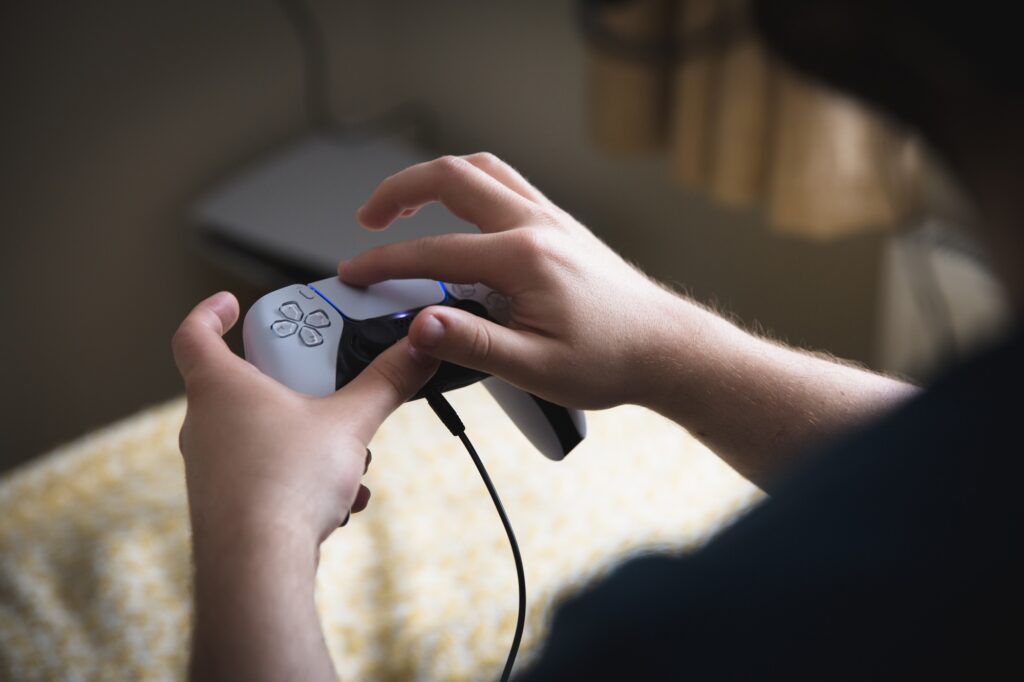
[(444, 411)]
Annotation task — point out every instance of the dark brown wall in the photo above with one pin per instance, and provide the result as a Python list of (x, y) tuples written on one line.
[(115, 114)]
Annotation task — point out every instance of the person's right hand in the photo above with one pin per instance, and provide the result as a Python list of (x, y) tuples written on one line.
[(582, 319)]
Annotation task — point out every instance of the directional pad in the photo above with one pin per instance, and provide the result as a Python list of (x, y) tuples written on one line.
[(318, 318), (310, 336), (284, 328), (291, 310)]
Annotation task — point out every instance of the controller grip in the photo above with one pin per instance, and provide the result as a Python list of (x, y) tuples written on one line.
[(553, 429)]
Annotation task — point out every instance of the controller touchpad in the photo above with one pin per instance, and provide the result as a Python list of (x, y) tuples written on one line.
[(379, 300)]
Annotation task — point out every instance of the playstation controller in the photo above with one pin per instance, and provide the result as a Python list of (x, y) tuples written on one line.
[(315, 338)]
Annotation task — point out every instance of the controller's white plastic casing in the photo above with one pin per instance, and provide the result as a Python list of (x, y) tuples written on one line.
[(293, 335)]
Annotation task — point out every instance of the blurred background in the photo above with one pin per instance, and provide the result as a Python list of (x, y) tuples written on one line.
[(126, 122)]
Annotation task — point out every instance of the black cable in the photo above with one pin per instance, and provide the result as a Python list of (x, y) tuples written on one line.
[(520, 575), (447, 414)]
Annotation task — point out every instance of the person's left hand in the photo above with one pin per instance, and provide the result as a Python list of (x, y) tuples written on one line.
[(260, 457)]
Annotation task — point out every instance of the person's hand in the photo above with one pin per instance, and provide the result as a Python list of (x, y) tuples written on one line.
[(582, 319), (260, 457)]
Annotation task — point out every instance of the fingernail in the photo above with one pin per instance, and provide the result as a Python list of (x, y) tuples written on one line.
[(422, 358), (431, 332)]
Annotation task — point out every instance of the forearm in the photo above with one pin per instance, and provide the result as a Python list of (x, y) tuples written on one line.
[(255, 616), (755, 403)]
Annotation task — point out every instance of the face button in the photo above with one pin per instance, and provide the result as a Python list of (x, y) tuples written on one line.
[(464, 290), (306, 292), (497, 301), (318, 318), (284, 328), (310, 336), (291, 310)]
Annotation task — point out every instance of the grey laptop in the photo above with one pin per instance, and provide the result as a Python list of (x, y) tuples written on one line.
[(291, 218)]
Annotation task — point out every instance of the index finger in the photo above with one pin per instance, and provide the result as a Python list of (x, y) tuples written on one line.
[(455, 257), (465, 190)]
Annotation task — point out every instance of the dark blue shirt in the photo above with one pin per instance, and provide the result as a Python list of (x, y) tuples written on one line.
[(894, 552)]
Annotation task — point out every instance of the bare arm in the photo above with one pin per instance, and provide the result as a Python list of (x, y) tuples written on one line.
[(255, 618), (756, 403), (588, 330)]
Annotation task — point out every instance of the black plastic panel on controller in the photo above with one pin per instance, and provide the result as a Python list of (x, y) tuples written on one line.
[(364, 340)]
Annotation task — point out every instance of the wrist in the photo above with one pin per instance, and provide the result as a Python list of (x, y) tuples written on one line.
[(239, 537), (255, 610), (688, 344), (235, 565)]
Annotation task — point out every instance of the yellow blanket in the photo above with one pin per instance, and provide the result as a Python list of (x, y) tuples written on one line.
[(94, 547)]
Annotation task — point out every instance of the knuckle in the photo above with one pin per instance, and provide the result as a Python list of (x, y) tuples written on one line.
[(542, 216), (549, 215), (183, 343), (388, 183), (533, 245), (389, 375), (427, 250), (431, 244), (178, 338), (542, 249), (485, 159), (451, 165), (481, 343)]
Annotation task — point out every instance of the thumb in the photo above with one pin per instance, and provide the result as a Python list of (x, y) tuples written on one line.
[(387, 382), (198, 342), (465, 339)]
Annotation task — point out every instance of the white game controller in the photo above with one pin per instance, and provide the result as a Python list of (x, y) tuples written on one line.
[(316, 338)]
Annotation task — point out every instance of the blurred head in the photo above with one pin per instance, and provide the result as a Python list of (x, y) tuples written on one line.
[(947, 70)]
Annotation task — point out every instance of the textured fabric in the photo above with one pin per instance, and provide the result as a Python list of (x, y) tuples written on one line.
[(94, 548)]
